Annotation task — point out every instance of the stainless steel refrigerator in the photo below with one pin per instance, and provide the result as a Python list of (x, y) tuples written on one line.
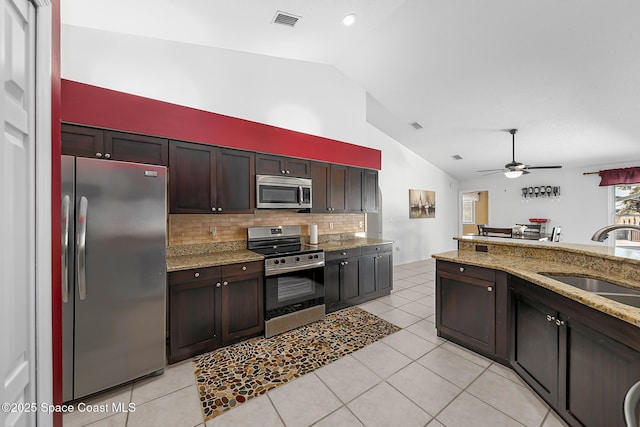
[(113, 273)]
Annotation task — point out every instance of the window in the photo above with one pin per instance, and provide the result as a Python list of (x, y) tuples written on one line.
[(468, 210), (627, 200)]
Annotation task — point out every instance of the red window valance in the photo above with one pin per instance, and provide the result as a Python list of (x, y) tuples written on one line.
[(619, 176)]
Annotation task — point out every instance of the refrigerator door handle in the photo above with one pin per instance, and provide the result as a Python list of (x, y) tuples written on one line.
[(82, 239), (65, 248)]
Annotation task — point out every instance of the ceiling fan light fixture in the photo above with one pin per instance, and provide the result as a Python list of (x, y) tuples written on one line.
[(349, 20), (513, 173)]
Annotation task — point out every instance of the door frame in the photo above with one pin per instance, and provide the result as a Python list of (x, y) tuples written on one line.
[(45, 69)]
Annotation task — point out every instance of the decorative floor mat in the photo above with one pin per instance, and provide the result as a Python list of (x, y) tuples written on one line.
[(230, 376)]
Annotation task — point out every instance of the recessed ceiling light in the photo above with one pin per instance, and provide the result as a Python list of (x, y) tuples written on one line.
[(349, 19), (416, 125), (457, 156)]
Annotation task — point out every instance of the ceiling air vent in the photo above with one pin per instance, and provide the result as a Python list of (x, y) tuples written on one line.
[(457, 156), (416, 125), (284, 18)]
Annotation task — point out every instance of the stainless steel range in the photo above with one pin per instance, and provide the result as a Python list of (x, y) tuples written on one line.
[(294, 276)]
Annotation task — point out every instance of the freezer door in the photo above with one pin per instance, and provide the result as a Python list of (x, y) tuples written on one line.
[(67, 242), (120, 273)]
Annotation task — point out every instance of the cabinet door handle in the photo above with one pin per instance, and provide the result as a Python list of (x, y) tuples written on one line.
[(196, 274), (225, 283), (342, 263), (287, 172), (559, 322), (489, 288), (213, 209), (550, 318), (346, 262), (244, 268), (107, 156), (343, 254), (218, 285), (282, 171), (461, 269), (219, 209)]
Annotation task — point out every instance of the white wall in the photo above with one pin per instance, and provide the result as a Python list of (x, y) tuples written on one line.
[(302, 96), (402, 170), (583, 208), (312, 98)]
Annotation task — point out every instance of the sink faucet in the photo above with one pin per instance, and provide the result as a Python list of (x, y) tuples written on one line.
[(602, 234)]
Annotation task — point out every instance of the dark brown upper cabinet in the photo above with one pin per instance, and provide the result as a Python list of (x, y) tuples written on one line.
[(84, 141), (267, 164), (208, 179), (363, 190), (369, 190), (330, 187)]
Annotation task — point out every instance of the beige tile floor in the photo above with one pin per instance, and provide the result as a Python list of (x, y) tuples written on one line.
[(410, 378)]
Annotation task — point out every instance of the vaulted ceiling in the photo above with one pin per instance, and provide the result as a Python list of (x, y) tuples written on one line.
[(565, 73)]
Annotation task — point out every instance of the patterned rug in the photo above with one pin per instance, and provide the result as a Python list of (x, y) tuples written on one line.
[(230, 376)]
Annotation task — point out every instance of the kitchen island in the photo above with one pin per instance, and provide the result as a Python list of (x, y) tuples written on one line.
[(580, 351)]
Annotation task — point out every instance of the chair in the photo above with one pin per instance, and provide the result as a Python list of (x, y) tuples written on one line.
[(497, 231), (631, 402), (555, 234), (481, 228)]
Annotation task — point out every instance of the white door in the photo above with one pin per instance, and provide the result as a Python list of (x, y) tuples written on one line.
[(17, 212)]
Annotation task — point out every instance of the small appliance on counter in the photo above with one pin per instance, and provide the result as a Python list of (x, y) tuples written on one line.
[(294, 277)]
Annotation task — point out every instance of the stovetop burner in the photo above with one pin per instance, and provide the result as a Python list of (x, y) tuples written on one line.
[(283, 249)]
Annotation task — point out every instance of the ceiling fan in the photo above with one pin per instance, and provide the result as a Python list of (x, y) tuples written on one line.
[(515, 169)]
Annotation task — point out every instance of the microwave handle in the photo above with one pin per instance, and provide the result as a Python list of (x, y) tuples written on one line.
[(300, 195)]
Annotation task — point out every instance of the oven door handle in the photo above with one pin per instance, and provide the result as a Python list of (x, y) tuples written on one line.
[(281, 270)]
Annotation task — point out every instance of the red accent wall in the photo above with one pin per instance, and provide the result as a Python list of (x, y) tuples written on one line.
[(100, 107), (56, 280)]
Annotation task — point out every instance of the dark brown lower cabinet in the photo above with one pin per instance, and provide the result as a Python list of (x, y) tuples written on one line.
[(534, 351), (209, 308), (357, 275), (565, 351), (471, 307)]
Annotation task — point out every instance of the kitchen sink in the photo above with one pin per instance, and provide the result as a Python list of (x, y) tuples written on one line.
[(603, 288)]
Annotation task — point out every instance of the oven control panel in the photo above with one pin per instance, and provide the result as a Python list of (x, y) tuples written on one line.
[(289, 263)]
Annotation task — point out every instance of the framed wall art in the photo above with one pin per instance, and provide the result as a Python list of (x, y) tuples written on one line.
[(422, 204)]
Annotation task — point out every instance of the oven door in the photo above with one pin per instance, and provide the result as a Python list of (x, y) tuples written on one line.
[(294, 291), (282, 192)]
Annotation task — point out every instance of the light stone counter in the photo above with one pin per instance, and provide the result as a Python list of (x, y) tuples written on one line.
[(528, 259)]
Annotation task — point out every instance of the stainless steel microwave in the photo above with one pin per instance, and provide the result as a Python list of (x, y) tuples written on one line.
[(282, 192)]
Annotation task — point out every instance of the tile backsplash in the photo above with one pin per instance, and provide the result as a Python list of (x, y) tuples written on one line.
[(194, 228)]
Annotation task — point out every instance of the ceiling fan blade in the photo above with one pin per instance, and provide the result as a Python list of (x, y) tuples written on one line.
[(524, 171), (543, 167), (492, 173), (491, 170)]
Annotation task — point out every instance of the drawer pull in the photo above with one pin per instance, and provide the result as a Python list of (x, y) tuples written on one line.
[(244, 268), (343, 253), (461, 269), (218, 285), (225, 283), (489, 288), (98, 154), (196, 274), (107, 156)]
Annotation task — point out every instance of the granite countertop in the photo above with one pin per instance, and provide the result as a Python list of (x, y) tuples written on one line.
[(603, 250), (200, 260), (337, 245), (530, 269), (181, 258)]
